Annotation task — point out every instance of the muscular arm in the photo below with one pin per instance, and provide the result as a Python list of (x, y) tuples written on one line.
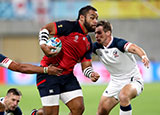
[(47, 30), (136, 50), (50, 27), (140, 52), (25, 68), (32, 69)]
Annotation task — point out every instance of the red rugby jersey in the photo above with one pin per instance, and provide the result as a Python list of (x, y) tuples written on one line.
[(76, 46)]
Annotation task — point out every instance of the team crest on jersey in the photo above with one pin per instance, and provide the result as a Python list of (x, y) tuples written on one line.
[(84, 38), (76, 38), (115, 53)]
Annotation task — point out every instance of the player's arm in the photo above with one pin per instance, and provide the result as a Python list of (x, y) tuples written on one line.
[(49, 29), (133, 48), (88, 71), (27, 68), (32, 69)]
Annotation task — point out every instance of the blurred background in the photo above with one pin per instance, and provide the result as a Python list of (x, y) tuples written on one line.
[(137, 21)]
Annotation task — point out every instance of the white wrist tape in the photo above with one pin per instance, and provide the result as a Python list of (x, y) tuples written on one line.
[(43, 36), (6, 62), (144, 56), (88, 71), (45, 69)]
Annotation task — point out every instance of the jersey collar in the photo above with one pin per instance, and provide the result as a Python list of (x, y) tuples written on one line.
[(110, 42), (81, 28)]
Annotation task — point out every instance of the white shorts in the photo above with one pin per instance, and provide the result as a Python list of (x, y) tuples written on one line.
[(114, 87), (53, 100)]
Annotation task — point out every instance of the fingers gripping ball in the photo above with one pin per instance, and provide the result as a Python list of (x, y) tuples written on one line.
[(56, 42)]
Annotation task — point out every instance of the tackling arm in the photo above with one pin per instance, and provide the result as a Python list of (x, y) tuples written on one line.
[(32, 69), (133, 48), (88, 71)]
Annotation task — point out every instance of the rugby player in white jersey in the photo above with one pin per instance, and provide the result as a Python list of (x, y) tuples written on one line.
[(118, 57)]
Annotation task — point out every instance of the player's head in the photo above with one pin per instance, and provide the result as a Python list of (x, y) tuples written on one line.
[(88, 16), (12, 98), (103, 31)]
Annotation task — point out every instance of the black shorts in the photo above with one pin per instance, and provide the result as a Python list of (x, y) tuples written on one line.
[(53, 85)]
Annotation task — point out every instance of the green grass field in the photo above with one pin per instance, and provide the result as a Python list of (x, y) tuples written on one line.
[(148, 103)]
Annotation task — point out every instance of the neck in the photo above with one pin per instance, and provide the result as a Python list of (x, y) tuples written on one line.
[(83, 27), (107, 41)]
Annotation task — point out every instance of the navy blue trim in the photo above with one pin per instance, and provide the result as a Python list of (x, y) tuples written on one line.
[(2, 57), (116, 43), (126, 108)]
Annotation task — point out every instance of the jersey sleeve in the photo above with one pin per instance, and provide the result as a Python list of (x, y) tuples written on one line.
[(63, 27), (5, 61), (120, 44), (96, 46)]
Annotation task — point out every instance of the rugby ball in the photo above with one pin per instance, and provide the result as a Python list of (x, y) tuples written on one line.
[(56, 42)]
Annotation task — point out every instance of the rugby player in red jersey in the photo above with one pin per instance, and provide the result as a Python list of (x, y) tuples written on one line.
[(76, 47)]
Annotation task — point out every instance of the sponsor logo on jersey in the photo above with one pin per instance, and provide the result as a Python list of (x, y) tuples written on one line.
[(115, 53), (60, 26), (51, 91)]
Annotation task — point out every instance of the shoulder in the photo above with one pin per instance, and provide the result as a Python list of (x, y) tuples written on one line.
[(89, 38), (65, 23), (66, 27), (118, 43), (96, 46), (17, 111)]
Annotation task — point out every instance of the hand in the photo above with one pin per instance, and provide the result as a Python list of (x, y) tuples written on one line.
[(52, 70), (94, 76), (47, 50), (145, 60)]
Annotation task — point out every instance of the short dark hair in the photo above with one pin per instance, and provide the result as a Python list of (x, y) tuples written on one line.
[(84, 10), (14, 91), (106, 25)]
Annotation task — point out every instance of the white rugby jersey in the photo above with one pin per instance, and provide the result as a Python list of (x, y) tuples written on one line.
[(4, 61), (119, 62)]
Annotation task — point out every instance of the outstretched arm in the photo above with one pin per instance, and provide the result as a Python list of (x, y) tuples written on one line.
[(133, 48), (32, 69), (27, 68)]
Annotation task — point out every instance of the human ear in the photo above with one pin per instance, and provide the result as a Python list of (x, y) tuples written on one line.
[(108, 33), (82, 18)]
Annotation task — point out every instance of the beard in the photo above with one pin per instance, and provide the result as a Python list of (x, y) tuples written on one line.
[(88, 26)]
